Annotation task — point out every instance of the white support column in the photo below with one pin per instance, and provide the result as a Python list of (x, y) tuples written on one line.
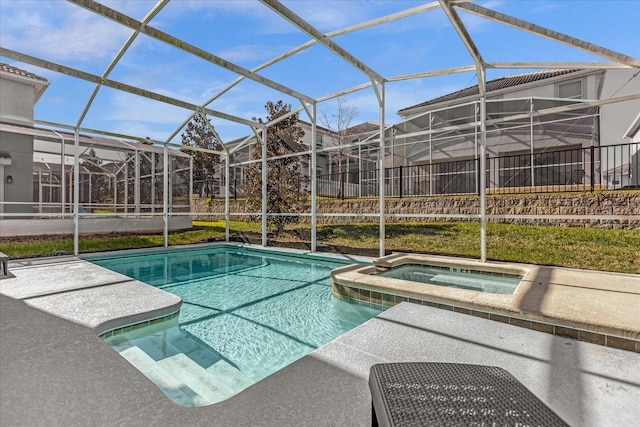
[(126, 185), (136, 183), (475, 136), (165, 192), (430, 158), (76, 192), (1, 190), (40, 191), (533, 179), (359, 170), (63, 179), (314, 184), (264, 187), (483, 179), (190, 187), (154, 181), (381, 173), (227, 215)]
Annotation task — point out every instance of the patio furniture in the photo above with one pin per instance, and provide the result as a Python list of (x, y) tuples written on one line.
[(4, 260), (450, 394)]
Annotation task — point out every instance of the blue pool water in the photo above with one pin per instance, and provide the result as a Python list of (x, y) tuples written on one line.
[(246, 313), (456, 277)]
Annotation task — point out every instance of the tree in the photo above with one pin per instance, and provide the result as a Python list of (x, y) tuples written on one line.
[(339, 124), (286, 184), (99, 182), (200, 135)]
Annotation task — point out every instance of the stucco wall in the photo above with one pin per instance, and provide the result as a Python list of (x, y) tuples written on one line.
[(609, 203), (17, 100), (20, 147)]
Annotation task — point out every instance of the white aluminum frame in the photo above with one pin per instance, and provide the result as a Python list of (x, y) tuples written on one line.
[(377, 83)]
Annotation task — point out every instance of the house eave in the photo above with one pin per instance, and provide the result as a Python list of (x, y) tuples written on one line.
[(405, 113), (39, 85), (633, 129)]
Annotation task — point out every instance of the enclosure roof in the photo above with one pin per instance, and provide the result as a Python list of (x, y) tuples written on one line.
[(48, 134), (493, 85), (147, 67)]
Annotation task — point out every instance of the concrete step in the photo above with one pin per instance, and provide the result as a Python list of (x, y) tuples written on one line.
[(170, 384)]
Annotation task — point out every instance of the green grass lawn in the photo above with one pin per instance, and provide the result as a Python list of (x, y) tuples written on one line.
[(576, 247)]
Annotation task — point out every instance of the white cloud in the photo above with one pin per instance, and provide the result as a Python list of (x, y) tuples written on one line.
[(252, 53), (478, 23), (127, 108), (141, 130), (58, 31)]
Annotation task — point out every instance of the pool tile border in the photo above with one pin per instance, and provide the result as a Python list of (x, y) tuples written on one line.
[(139, 325), (373, 298)]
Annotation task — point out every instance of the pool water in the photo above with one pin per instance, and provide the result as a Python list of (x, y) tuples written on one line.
[(246, 313), (456, 277)]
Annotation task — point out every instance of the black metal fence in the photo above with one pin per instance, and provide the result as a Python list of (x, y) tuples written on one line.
[(578, 169)]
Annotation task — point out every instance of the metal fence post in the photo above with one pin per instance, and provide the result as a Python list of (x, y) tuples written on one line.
[(593, 167), (401, 180)]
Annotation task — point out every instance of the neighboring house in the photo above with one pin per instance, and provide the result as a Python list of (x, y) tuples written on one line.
[(115, 177), (20, 91), (552, 146), (329, 161)]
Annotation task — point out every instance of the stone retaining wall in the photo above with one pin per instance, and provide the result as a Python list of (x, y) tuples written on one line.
[(598, 203)]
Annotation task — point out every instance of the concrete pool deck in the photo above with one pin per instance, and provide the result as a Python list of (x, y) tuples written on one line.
[(55, 371), (599, 307), (84, 293)]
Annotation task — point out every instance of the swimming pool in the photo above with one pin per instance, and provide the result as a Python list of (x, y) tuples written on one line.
[(246, 313)]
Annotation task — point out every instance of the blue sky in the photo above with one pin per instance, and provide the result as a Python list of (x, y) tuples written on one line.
[(248, 34)]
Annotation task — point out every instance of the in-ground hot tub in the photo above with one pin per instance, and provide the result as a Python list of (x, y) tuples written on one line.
[(445, 280), (461, 277)]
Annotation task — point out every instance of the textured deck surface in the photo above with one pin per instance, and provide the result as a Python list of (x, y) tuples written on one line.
[(58, 372)]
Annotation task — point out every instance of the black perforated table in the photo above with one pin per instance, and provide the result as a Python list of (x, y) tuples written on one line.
[(450, 394)]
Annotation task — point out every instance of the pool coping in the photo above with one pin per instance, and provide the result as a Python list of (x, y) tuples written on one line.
[(75, 289), (598, 307), (87, 294)]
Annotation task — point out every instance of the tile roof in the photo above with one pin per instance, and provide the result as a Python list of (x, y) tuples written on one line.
[(493, 85), (19, 72), (363, 128)]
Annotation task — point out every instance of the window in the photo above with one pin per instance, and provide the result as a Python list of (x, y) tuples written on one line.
[(570, 90)]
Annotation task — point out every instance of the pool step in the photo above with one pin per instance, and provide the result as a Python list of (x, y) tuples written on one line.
[(199, 379), (170, 384), (186, 382), (234, 379)]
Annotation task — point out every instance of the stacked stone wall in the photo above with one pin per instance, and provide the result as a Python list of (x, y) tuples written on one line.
[(560, 204)]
